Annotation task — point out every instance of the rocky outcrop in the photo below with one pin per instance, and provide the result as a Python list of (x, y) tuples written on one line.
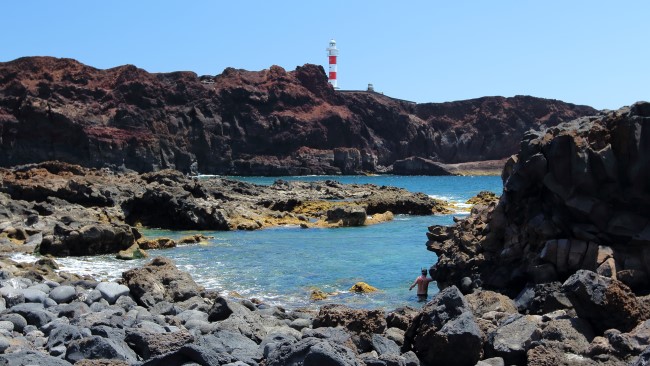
[(575, 197), (270, 122), (67, 210)]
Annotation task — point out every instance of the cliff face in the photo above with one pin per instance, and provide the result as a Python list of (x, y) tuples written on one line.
[(270, 122), (575, 197)]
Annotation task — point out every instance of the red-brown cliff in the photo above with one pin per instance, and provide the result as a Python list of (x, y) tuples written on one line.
[(269, 122)]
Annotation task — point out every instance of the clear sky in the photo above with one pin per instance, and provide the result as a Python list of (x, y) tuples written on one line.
[(584, 52)]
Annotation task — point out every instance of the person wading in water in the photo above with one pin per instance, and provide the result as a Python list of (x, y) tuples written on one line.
[(423, 285)]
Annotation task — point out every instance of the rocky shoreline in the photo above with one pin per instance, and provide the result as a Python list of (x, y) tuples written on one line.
[(67, 210), (157, 315)]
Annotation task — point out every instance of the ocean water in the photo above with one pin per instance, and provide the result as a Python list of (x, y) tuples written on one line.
[(281, 266)]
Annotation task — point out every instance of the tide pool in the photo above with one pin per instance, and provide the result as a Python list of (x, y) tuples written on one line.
[(281, 266)]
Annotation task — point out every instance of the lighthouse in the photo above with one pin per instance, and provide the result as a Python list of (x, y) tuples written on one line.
[(332, 53)]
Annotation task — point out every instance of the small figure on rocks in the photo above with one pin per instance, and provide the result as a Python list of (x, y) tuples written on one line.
[(423, 286)]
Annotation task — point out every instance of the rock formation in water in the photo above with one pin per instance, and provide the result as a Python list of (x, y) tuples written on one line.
[(66, 209), (575, 197), (270, 122)]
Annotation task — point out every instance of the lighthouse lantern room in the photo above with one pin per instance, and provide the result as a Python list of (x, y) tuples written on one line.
[(332, 53)]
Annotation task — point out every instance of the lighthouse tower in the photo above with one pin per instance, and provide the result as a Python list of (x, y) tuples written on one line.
[(332, 53)]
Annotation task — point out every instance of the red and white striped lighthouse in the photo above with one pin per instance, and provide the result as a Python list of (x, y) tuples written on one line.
[(332, 53)]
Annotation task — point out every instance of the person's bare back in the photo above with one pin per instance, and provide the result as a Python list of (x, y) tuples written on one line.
[(422, 282)]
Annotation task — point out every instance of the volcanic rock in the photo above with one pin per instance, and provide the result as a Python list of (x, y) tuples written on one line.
[(444, 326), (574, 198), (269, 122), (160, 280), (604, 302)]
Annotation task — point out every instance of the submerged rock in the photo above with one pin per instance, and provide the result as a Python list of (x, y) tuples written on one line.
[(363, 288), (133, 252)]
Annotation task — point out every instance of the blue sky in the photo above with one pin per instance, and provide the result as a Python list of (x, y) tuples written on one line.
[(584, 52)]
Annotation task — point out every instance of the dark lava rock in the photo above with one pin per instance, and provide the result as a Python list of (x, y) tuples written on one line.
[(311, 352), (160, 280), (147, 344), (575, 197), (28, 358), (443, 327), (96, 347), (604, 302), (219, 310)]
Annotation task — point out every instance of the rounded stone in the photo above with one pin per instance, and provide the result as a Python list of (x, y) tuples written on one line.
[(4, 343), (12, 296), (34, 295), (300, 323), (18, 321), (63, 294), (6, 325), (48, 303), (41, 286), (111, 291)]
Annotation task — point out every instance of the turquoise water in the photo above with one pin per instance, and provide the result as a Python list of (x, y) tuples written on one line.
[(282, 265)]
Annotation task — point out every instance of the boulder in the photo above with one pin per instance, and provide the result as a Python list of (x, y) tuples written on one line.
[(219, 310), (34, 314), (147, 344), (132, 252), (513, 338), (90, 239), (401, 317), (62, 335), (310, 352), (542, 298), (300, 323), (243, 321), (337, 335), (96, 347), (12, 296), (160, 280), (396, 335), (444, 326), (604, 302), (483, 301), (157, 243), (19, 322), (354, 320), (63, 294), (384, 345), (28, 358), (34, 295), (574, 334), (232, 343), (74, 310), (111, 291), (190, 354), (360, 323)]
